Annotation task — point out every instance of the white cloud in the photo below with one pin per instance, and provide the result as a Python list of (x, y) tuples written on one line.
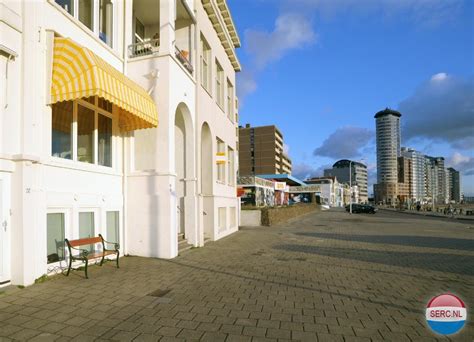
[(462, 163), (303, 170), (441, 109), (292, 31), (286, 149), (439, 77), (345, 142), (247, 84)]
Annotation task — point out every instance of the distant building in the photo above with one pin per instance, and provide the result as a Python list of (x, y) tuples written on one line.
[(435, 180), (418, 180), (388, 140), (405, 179), (261, 151), (454, 185), (341, 168)]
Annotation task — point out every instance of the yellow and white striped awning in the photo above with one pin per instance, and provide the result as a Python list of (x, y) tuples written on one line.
[(78, 73)]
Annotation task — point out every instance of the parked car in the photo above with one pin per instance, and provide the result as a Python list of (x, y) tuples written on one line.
[(361, 208)]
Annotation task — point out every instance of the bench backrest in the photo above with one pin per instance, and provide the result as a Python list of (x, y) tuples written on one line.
[(85, 241)]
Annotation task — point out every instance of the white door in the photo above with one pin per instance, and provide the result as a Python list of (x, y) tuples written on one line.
[(4, 239)]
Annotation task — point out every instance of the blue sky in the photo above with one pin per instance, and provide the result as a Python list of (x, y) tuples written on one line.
[(321, 69)]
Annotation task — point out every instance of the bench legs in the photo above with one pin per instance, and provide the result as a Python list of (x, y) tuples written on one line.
[(87, 263), (69, 268), (118, 253)]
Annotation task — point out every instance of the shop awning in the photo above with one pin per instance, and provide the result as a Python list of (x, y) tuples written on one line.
[(78, 73)]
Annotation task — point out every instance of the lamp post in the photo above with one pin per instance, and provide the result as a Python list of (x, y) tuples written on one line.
[(350, 187)]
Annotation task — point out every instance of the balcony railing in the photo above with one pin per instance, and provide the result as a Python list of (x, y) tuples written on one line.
[(145, 48), (183, 57)]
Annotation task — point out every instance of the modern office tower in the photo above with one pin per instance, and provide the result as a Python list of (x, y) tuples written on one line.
[(343, 168), (261, 151), (388, 139), (418, 173), (435, 180), (454, 184)]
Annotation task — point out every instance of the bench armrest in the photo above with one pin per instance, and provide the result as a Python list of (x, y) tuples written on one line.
[(84, 252), (116, 245)]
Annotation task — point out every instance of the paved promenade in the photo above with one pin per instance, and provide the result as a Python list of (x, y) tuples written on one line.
[(324, 277)]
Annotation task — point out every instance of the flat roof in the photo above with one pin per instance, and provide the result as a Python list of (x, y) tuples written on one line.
[(283, 177)]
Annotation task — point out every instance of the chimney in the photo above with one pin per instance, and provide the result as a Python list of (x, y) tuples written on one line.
[(247, 125)]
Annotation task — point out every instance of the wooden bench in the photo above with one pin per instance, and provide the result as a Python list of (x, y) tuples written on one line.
[(85, 255)]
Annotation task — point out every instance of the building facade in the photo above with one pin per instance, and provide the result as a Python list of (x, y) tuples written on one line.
[(118, 118), (418, 182), (436, 189), (261, 151), (388, 140), (342, 169), (405, 180), (454, 185)]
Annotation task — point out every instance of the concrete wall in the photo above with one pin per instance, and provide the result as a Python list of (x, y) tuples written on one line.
[(272, 216), (251, 218)]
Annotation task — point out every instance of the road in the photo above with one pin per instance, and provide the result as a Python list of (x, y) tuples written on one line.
[(325, 276)]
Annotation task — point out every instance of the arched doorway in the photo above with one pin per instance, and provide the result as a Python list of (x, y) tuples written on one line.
[(207, 180)]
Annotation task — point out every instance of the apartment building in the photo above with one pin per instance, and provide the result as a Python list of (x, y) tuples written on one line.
[(405, 179), (453, 184), (436, 189), (261, 151), (119, 118), (353, 173), (418, 182)]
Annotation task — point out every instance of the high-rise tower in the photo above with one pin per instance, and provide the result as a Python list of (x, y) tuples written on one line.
[(388, 140)]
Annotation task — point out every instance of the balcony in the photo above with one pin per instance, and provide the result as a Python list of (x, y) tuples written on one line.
[(147, 30), (183, 57), (145, 48)]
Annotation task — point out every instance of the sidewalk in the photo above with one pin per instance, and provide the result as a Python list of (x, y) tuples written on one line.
[(430, 214)]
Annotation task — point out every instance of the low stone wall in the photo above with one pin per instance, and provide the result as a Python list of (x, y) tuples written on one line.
[(272, 216), (250, 218)]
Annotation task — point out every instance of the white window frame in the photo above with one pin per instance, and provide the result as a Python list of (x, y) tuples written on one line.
[(220, 142), (219, 85), (230, 166), (67, 229), (230, 101), (95, 19), (205, 57), (94, 210), (97, 110)]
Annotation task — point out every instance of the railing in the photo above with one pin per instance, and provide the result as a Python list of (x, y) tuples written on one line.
[(183, 57), (149, 47)]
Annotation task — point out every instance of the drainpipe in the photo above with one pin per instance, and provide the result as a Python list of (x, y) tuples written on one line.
[(125, 143), (197, 70)]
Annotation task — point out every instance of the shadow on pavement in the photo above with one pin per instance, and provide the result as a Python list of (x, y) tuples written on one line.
[(403, 240), (460, 264)]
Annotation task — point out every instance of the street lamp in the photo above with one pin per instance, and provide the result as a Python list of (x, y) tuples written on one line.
[(350, 187)]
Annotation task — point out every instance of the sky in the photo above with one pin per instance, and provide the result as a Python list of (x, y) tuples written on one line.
[(321, 69)]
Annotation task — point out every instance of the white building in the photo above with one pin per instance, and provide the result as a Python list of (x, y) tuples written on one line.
[(119, 118), (418, 183)]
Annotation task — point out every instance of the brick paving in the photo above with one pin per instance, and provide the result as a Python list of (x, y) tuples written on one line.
[(323, 277)]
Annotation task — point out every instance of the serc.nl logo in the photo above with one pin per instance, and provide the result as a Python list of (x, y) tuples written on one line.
[(446, 314)]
